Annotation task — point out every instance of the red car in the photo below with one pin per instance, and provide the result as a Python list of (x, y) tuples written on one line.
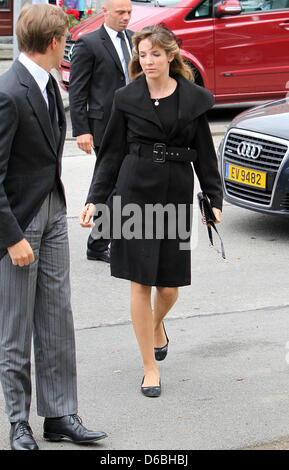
[(237, 49)]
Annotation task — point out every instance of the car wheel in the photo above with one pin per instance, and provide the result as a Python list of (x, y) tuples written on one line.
[(197, 75)]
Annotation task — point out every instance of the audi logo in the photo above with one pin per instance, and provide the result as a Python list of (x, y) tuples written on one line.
[(249, 150)]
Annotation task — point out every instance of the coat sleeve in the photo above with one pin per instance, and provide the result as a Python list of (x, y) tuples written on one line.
[(206, 165), (110, 157), (10, 231), (81, 69)]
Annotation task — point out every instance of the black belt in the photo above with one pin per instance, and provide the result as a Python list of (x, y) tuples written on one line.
[(160, 152)]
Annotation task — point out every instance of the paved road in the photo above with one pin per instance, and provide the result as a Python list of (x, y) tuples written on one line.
[(225, 380)]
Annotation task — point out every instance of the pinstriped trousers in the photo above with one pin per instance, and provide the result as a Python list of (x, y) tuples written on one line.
[(35, 303)]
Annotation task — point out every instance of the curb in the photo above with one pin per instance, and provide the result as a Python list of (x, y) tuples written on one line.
[(6, 55), (6, 40), (218, 131), (6, 51)]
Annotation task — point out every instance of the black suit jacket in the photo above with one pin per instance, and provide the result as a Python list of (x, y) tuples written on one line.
[(30, 162), (95, 73)]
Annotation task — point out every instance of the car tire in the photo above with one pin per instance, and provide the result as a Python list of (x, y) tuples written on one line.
[(197, 76)]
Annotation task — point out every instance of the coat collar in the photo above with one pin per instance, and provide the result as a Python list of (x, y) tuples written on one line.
[(38, 104), (193, 101)]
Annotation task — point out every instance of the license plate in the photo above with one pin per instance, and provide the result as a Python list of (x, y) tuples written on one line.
[(245, 176), (65, 76)]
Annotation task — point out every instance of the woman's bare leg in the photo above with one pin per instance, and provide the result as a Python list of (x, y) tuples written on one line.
[(164, 299), (142, 319)]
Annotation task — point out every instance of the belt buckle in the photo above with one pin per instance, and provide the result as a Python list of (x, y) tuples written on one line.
[(159, 153)]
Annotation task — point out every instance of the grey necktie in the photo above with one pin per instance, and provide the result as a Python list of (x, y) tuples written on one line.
[(124, 47)]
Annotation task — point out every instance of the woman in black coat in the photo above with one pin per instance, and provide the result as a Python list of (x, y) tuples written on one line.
[(157, 129)]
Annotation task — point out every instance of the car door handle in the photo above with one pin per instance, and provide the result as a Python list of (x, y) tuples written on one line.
[(284, 25)]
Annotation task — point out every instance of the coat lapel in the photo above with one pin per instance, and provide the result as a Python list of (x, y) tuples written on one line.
[(37, 102), (193, 101), (139, 102), (108, 44), (129, 35)]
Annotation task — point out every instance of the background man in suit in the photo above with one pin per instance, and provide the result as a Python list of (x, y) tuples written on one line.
[(34, 256), (98, 68)]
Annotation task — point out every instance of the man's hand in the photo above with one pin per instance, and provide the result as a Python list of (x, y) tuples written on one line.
[(86, 215), (85, 142), (21, 253)]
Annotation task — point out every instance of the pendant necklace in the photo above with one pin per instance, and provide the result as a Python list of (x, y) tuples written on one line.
[(157, 100)]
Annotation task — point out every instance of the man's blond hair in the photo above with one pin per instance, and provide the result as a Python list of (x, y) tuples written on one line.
[(37, 25)]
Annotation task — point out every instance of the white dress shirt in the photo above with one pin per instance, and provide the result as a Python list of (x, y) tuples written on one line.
[(38, 73), (117, 44)]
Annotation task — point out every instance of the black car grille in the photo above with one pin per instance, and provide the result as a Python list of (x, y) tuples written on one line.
[(69, 44), (284, 203), (268, 161)]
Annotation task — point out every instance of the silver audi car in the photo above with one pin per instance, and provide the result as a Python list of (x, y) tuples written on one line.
[(254, 159)]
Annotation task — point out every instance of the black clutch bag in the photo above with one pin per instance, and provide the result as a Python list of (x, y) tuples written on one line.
[(206, 209), (209, 218)]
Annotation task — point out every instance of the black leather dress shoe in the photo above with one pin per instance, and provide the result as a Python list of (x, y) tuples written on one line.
[(98, 255), (160, 353), (21, 437), (151, 391), (70, 427)]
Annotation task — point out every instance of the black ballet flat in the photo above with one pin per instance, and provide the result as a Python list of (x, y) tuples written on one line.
[(151, 391), (160, 353)]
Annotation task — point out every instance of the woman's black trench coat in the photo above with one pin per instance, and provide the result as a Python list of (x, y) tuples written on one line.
[(138, 179)]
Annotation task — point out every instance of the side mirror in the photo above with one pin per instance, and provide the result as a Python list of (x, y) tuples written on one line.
[(228, 7)]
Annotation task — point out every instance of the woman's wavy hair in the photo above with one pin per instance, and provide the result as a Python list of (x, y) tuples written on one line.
[(163, 37)]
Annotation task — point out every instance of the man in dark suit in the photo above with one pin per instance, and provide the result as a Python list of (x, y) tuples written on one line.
[(98, 68), (34, 256)]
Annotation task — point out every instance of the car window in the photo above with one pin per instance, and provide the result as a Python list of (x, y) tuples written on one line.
[(202, 10), (163, 3), (263, 5)]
